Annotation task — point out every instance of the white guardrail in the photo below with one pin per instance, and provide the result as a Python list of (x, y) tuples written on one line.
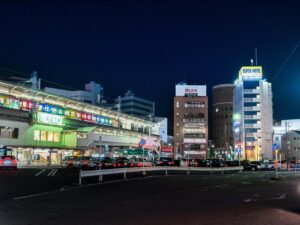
[(144, 170)]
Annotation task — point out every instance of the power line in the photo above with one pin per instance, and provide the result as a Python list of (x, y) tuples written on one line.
[(286, 61)]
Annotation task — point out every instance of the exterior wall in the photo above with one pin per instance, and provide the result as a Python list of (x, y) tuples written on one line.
[(222, 116), (22, 137), (291, 145), (187, 118)]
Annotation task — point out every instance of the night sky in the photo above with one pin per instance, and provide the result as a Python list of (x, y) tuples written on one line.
[(149, 46)]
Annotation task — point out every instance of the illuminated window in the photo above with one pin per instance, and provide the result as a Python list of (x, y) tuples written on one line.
[(43, 135), (50, 136), (177, 114), (56, 137), (36, 135), (177, 104)]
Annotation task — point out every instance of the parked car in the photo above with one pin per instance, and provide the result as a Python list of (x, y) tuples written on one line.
[(253, 165), (192, 163), (164, 161), (232, 163), (217, 163), (100, 163), (67, 161), (8, 162), (121, 162), (138, 162), (81, 162), (202, 162)]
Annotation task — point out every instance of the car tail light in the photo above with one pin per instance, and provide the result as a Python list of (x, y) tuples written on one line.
[(119, 164), (139, 164), (14, 161), (131, 165), (1, 161), (114, 165)]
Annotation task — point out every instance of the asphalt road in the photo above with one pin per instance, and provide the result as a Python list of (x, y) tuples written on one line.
[(234, 199)]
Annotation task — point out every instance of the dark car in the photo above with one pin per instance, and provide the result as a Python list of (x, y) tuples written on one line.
[(217, 163), (164, 161), (202, 162), (68, 161), (121, 162), (81, 162), (232, 163), (100, 163), (252, 166)]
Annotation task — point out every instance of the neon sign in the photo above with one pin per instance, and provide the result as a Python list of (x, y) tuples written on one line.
[(49, 119)]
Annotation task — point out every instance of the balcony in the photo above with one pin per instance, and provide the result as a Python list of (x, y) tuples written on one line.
[(252, 108), (251, 100), (194, 140), (251, 91), (252, 117), (193, 120), (255, 125)]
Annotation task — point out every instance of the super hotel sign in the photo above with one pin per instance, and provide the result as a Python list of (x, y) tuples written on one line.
[(250, 73)]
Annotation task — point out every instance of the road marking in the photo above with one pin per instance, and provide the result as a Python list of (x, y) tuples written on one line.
[(247, 200), (55, 171), (246, 183), (282, 196), (49, 174), (42, 171)]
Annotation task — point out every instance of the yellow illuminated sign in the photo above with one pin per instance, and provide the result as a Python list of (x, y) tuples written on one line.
[(250, 73)]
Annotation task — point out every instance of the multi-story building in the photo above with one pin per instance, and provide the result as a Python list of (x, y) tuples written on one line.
[(190, 121), (222, 119), (93, 93), (133, 105), (43, 128), (161, 128), (282, 128), (253, 114), (290, 145)]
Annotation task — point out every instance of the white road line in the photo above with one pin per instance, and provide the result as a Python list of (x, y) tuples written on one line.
[(42, 171), (282, 196), (55, 171), (49, 174), (246, 183), (247, 200)]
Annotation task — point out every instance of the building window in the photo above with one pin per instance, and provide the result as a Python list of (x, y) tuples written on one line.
[(177, 114), (36, 135), (50, 136), (43, 135), (177, 104), (56, 137)]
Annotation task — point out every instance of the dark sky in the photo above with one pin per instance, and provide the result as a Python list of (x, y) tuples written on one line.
[(149, 46)]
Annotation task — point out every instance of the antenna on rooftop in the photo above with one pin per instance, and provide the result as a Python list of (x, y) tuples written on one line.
[(255, 56)]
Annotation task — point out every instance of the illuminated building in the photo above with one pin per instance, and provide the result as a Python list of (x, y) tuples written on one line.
[(253, 114), (40, 126), (222, 119), (93, 93), (190, 121), (133, 105)]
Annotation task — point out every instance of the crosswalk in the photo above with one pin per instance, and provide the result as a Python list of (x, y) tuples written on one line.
[(44, 172)]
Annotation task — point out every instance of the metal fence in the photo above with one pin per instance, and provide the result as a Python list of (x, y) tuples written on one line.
[(144, 170)]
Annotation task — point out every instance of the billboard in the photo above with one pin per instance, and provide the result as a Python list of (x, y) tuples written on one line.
[(49, 119), (250, 73), (190, 90)]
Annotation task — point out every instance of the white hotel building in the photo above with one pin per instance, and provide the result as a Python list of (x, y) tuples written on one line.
[(253, 115)]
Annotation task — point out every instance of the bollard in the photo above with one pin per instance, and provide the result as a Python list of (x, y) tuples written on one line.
[(144, 172), (222, 172), (188, 172), (100, 178), (79, 182), (125, 175), (166, 172)]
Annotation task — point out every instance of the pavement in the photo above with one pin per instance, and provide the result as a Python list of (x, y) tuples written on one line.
[(52, 196)]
